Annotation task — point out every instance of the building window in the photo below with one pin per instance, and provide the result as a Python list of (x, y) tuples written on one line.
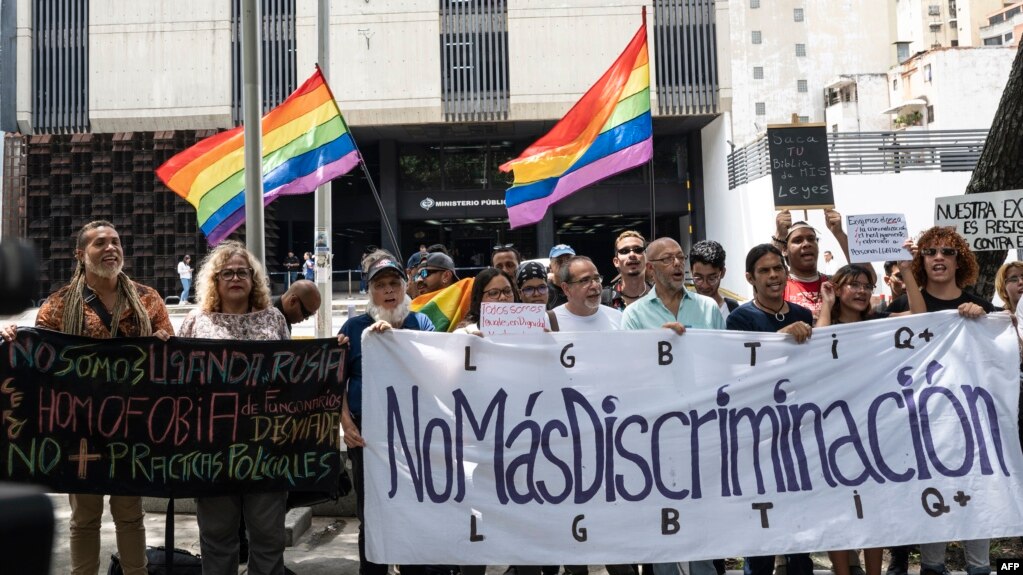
[(801, 86), (474, 59), (930, 114), (60, 66), (954, 43), (895, 84), (1007, 37), (761, 109), (797, 14), (686, 67), (934, 10), (995, 41), (758, 72), (952, 8), (278, 54), (804, 119), (902, 51), (927, 73), (754, 3), (757, 39), (801, 50)]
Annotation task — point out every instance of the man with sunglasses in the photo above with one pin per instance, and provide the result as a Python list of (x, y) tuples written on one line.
[(506, 258), (436, 272), (631, 265), (943, 266), (299, 303)]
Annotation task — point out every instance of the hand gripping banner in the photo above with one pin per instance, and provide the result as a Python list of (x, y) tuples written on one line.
[(607, 448)]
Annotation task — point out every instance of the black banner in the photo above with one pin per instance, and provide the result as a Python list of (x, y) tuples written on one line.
[(183, 418)]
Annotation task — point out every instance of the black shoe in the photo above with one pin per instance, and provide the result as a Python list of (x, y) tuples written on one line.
[(243, 553), (944, 571)]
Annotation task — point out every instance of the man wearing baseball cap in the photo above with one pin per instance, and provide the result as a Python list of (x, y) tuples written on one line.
[(410, 272), (560, 254), (436, 272)]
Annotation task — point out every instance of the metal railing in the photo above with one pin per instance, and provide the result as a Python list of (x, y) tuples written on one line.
[(873, 153)]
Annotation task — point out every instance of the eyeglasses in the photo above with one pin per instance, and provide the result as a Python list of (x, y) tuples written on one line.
[(228, 274), (631, 249), (599, 279), (501, 248), (534, 291), (949, 252), (670, 259), (860, 286), (306, 314), (424, 273), (712, 279), (1012, 279), (499, 292)]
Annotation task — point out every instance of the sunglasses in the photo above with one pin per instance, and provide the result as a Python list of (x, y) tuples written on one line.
[(425, 273), (949, 252), (501, 248), (306, 314), (631, 250)]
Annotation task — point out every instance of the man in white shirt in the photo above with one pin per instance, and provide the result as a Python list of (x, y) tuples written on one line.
[(185, 274), (582, 284)]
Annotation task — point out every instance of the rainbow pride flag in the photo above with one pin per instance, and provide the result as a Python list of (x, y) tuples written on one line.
[(446, 307), (305, 143), (607, 131)]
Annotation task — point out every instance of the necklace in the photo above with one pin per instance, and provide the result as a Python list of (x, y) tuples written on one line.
[(646, 288), (816, 277), (777, 313)]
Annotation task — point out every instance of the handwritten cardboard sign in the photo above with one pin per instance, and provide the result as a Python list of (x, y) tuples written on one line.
[(182, 418), (991, 221), (708, 445), (800, 167), (877, 237), (512, 318)]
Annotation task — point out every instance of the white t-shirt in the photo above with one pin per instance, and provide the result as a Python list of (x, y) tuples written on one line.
[(724, 309), (184, 271), (605, 319)]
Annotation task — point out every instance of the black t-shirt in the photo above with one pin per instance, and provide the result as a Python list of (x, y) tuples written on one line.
[(901, 303), (748, 317)]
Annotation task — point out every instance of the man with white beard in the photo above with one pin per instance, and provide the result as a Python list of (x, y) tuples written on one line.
[(388, 308), (582, 285)]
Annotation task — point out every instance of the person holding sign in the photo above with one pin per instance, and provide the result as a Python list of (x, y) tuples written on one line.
[(490, 285), (799, 241), (233, 293), (388, 308), (102, 302)]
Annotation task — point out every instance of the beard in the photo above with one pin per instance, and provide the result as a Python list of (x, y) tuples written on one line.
[(102, 270), (395, 317)]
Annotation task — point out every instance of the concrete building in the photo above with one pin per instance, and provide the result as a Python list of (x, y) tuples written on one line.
[(1003, 27), (927, 24), (437, 95)]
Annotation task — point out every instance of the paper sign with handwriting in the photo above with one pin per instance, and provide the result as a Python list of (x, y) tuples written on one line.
[(991, 221), (512, 318), (877, 237)]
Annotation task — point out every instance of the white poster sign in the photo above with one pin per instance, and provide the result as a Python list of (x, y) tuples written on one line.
[(991, 221), (647, 446), (512, 318), (877, 238)]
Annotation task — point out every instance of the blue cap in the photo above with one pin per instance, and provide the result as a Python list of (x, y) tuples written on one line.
[(560, 250), (414, 259)]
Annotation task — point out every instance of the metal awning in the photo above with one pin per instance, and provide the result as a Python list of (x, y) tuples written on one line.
[(898, 108), (839, 82)]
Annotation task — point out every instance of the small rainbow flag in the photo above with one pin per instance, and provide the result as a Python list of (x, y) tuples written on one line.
[(446, 307), (305, 143), (607, 131)]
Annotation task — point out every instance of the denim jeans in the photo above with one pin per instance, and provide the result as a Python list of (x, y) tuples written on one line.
[(186, 285), (705, 567), (978, 556)]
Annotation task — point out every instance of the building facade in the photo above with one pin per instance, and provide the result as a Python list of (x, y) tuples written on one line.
[(437, 94)]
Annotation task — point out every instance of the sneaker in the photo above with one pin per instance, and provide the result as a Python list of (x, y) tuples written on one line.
[(925, 571), (897, 568)]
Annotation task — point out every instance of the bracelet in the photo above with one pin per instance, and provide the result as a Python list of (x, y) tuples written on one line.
[(777, 241)]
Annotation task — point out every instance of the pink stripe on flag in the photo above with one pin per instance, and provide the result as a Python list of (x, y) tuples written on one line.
[(528, 213), (302, 185)]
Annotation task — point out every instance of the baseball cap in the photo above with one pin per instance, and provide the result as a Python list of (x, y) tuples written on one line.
[(560, 250), (414, 259), (441, 261), (385, 264)]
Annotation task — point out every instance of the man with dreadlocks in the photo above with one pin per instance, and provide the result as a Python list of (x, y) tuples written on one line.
[(99, 292)]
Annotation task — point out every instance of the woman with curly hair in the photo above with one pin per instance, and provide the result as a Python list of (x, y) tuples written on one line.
[(942, 266), (233, 293)]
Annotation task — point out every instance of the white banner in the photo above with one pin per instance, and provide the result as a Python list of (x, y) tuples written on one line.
[(607, 448), (990, 221)]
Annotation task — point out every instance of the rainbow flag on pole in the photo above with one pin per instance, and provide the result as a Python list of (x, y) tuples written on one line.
[(305, 143), (607, 131)]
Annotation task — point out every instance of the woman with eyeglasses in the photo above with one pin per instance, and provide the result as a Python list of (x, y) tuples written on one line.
[(531, 281), (234, 303), (490, 285), (845, 298)]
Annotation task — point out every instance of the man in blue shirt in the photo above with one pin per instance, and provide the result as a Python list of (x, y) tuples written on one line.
[(672, 306), (388, 308)]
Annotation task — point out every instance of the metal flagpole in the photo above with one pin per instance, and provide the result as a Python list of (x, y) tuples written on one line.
[(323, 239), (252, 109)]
